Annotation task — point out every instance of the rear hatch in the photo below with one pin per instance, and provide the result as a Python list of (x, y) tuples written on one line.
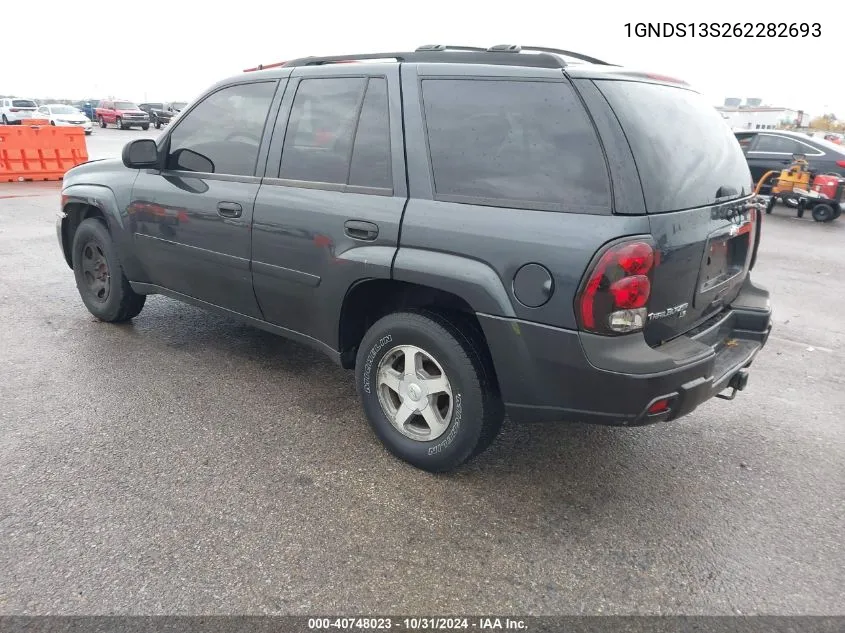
[(23, 105), (697, 187)]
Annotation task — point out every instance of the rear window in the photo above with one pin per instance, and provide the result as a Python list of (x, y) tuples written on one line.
[(23, 103), (522, 144), (686, 154)]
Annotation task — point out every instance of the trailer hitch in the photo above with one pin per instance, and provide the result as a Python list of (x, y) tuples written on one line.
[(737, 383)]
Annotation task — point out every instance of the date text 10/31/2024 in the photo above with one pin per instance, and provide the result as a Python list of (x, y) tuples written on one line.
[(723, 29)]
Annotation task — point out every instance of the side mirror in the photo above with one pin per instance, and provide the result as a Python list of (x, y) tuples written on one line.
[(140, 153)]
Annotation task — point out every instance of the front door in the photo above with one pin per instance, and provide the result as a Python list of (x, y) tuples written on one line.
[(192, 220), (330, 205)]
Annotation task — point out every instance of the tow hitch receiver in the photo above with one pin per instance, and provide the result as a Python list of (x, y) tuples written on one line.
[(737, 383)]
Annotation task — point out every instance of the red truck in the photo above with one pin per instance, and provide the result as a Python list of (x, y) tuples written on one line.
[(123, 114)]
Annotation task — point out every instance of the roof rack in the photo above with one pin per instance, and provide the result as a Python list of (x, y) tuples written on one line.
[(500, 54)]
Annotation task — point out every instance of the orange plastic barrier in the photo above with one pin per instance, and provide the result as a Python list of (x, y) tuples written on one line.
[(35, 121), (40, 153)]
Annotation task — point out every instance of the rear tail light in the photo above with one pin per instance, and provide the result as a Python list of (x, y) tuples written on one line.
[(841, 163), (615, 294)]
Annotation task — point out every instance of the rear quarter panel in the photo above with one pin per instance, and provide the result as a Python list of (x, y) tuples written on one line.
[(502, 240)]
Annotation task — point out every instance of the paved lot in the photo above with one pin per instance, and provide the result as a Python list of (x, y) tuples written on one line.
[(184, 463)]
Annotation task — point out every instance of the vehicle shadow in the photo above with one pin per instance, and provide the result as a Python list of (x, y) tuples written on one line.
[(569, 463)]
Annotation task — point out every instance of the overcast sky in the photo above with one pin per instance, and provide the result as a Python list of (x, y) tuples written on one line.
[(126, 50)]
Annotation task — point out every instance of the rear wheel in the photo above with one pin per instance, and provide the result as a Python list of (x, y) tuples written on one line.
[(145, 126), (428, 389), (157, 124), (823, 213), (100, 279)]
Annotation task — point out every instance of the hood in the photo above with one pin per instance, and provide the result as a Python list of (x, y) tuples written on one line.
[(130, 111), (71, 117), (82, 174)]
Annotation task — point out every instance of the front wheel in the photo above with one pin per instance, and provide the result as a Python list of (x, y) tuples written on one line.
[(145, 126), (119, 123), (157, 124), (100, 279), (428, 389), (102, 122)]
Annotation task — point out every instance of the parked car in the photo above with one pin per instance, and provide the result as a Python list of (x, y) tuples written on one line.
[(768, 150), (13, 111), (60, 114), (834, 138), (123, 114), (536, 243), (159, 113)]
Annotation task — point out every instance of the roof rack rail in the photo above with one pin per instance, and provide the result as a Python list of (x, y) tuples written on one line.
[(446, 47), (573, 55), (500, 54)]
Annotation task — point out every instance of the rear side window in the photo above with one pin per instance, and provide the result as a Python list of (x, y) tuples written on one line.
[(514, 143), (371, 153), (338, 133), (773, 144), (686, 154), (23, 103)]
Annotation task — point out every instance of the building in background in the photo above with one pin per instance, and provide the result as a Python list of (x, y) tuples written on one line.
[(751, 115)]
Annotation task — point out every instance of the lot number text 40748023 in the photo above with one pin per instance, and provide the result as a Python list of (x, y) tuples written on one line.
[(723, 29)]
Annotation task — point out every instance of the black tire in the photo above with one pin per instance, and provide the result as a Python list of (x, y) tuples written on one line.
[(5, 120), (102, 122), (52, 123), (157, 124), (119, 302), (145, 126), (476, 406), (119, 123), (823, 213)]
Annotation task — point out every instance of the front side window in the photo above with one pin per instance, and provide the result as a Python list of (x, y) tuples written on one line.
[(520, 143), (222, 134)]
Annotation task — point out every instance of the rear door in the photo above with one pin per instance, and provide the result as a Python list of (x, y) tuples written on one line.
[(330, 205), (696, 185)]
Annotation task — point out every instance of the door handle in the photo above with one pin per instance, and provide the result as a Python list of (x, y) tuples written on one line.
[(229, 209), (359, 230)]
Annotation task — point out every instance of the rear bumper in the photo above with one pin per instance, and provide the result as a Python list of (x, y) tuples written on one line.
[(549, 374)]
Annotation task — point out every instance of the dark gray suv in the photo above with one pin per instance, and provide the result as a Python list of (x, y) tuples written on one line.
[(476, 232)]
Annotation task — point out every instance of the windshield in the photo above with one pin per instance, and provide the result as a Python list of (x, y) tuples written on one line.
[(179, 105), (62, 109), (686, 154), (125, 105), (23, 103), (155, 106)]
